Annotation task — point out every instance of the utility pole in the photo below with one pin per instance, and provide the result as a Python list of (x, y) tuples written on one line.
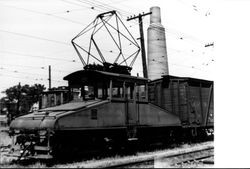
[(143, 53), (18, 99), (49, 77)]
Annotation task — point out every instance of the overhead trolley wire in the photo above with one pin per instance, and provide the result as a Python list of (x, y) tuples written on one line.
[(89, 3), (21, 72), (42, 13), (40, 38), (102, 6), (32, 67), (77, 4), (37, 56), (35, 37), (29, 78)]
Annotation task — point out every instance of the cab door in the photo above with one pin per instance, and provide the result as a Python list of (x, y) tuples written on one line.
[(130, 104)]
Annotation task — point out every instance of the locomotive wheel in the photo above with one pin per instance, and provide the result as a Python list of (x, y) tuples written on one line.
[(57, 150)]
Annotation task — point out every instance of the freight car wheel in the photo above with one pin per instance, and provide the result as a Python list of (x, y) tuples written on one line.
[(193, 135), (210, 133), (194, 132), (202, 134)]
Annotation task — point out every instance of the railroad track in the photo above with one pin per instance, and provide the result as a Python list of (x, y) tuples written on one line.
[(175, 157), (193, 157), (170, 160)]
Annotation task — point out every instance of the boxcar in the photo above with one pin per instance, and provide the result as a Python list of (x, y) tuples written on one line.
[(190, 99)]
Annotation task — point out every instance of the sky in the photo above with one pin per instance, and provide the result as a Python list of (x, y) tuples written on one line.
[(37, 33)]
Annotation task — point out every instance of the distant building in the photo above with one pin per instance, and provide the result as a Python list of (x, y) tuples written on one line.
[(54, 97), (1, 107), (3, 114), (3, 120)]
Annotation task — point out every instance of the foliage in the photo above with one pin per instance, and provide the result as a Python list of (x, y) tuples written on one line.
[(22, 97)]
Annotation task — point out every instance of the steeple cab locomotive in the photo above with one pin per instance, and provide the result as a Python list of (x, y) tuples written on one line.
[(105, 108)]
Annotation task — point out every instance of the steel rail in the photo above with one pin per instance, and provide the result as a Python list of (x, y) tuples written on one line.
[(194, 159), (152, 158)]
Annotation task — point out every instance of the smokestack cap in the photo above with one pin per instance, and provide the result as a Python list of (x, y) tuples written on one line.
[(156, 14)]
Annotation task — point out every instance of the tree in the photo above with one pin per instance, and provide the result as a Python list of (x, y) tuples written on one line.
[(23, 97)]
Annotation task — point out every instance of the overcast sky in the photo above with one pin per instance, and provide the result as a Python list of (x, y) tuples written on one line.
[(37, 33)]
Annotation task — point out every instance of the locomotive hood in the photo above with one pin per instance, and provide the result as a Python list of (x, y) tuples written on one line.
[(46, 118), (69, 106)]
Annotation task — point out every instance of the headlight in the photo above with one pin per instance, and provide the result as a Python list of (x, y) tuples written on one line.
[(42, 132), (16, 131)]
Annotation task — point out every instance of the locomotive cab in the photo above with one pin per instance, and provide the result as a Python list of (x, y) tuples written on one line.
[(98, 85), (119, 89)]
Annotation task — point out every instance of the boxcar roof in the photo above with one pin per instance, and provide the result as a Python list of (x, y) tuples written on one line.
[(187, 79), (103, 75)]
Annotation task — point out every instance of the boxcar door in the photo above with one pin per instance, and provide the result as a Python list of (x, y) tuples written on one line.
[(179, 100)]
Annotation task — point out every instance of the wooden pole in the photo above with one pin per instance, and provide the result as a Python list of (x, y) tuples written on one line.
[(49, 77), (143, 53)]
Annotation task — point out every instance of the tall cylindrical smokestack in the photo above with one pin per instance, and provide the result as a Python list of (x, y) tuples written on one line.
[(157, 51)]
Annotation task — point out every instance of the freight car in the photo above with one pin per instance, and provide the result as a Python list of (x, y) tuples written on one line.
[(190, 99)]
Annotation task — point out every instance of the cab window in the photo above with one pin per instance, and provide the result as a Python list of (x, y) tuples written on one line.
[(76, 93), (89, 92), (117, 90), (129, 90)]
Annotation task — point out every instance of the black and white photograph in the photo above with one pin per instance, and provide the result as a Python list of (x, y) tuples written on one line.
[(124, 83)]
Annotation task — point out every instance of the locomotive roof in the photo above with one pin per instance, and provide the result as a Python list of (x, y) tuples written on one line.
[(102, 75)]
